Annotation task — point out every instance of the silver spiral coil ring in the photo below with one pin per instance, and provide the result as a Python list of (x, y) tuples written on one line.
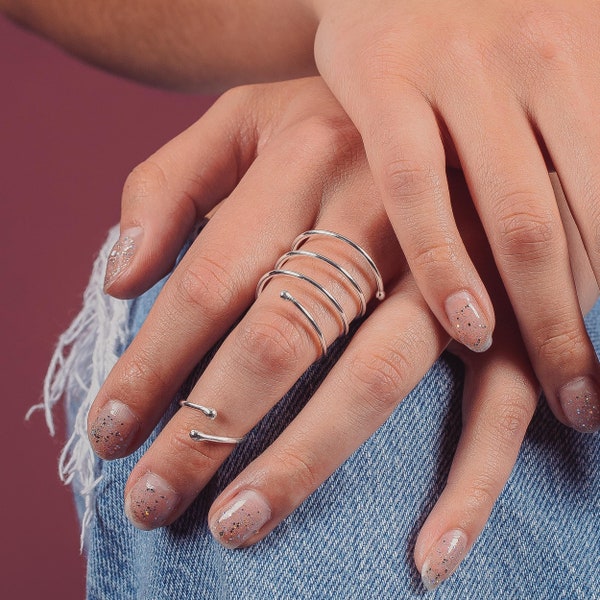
[(278, 272), (359, 291), (297, 252), (303, 237)]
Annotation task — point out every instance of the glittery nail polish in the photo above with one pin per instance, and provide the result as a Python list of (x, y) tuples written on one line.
[(121, 254), (242, 519), (581, 404), (444, 558), (113, 430), (150, 502), (467, 320)]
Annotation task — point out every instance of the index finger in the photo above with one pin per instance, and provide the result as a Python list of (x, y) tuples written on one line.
[(212, 286)]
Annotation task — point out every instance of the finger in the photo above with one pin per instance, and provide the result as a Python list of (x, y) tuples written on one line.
[(262, 357), (573, 142), (583, 273), (500, 397), (562, 113), (379, 367), (509, 182), (405, 151), (411, 170), (211, 287), (169, 193)]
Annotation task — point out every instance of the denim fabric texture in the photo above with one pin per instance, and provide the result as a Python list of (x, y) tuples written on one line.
[(354, 537)]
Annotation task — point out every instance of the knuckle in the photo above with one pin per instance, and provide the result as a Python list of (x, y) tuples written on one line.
[(197, 455), (139, 371), (271, 342), (512, 420), (550, 32), (301, 468), (482, 493), (323, 129), (466, 49), (238, 96), (565, 346), (378, 375), (527, 233), (243, 101), (409, 181), (207, 285), (428, 255), (383, 57), (329, 137)]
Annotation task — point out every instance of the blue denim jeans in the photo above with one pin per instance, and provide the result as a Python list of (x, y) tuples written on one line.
[(354, 537)]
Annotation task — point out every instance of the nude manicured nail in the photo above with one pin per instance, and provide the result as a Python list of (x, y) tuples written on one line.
[(467, 320), (444, 558), (581, 404), (121, 254), (113, 430), (242, 519), (151, 502)]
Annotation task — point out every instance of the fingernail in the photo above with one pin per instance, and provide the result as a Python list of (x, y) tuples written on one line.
[(581, 404), (113, 430), (121, 254), (444, 558), (242, 519), (151, 502), (468, 322)]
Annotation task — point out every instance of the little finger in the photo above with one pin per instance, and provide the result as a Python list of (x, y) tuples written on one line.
[(500, 397)]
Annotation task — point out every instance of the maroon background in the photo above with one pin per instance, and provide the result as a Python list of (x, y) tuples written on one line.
[(69, 134)]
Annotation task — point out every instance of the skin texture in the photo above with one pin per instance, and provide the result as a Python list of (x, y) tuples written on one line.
[(249, 133), (180, 44)]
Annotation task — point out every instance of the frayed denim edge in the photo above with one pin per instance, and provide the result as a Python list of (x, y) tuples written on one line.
[(84, 355)]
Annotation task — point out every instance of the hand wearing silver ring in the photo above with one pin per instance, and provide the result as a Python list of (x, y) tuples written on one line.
[(211, 413), (273, 344), (418, 90)]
